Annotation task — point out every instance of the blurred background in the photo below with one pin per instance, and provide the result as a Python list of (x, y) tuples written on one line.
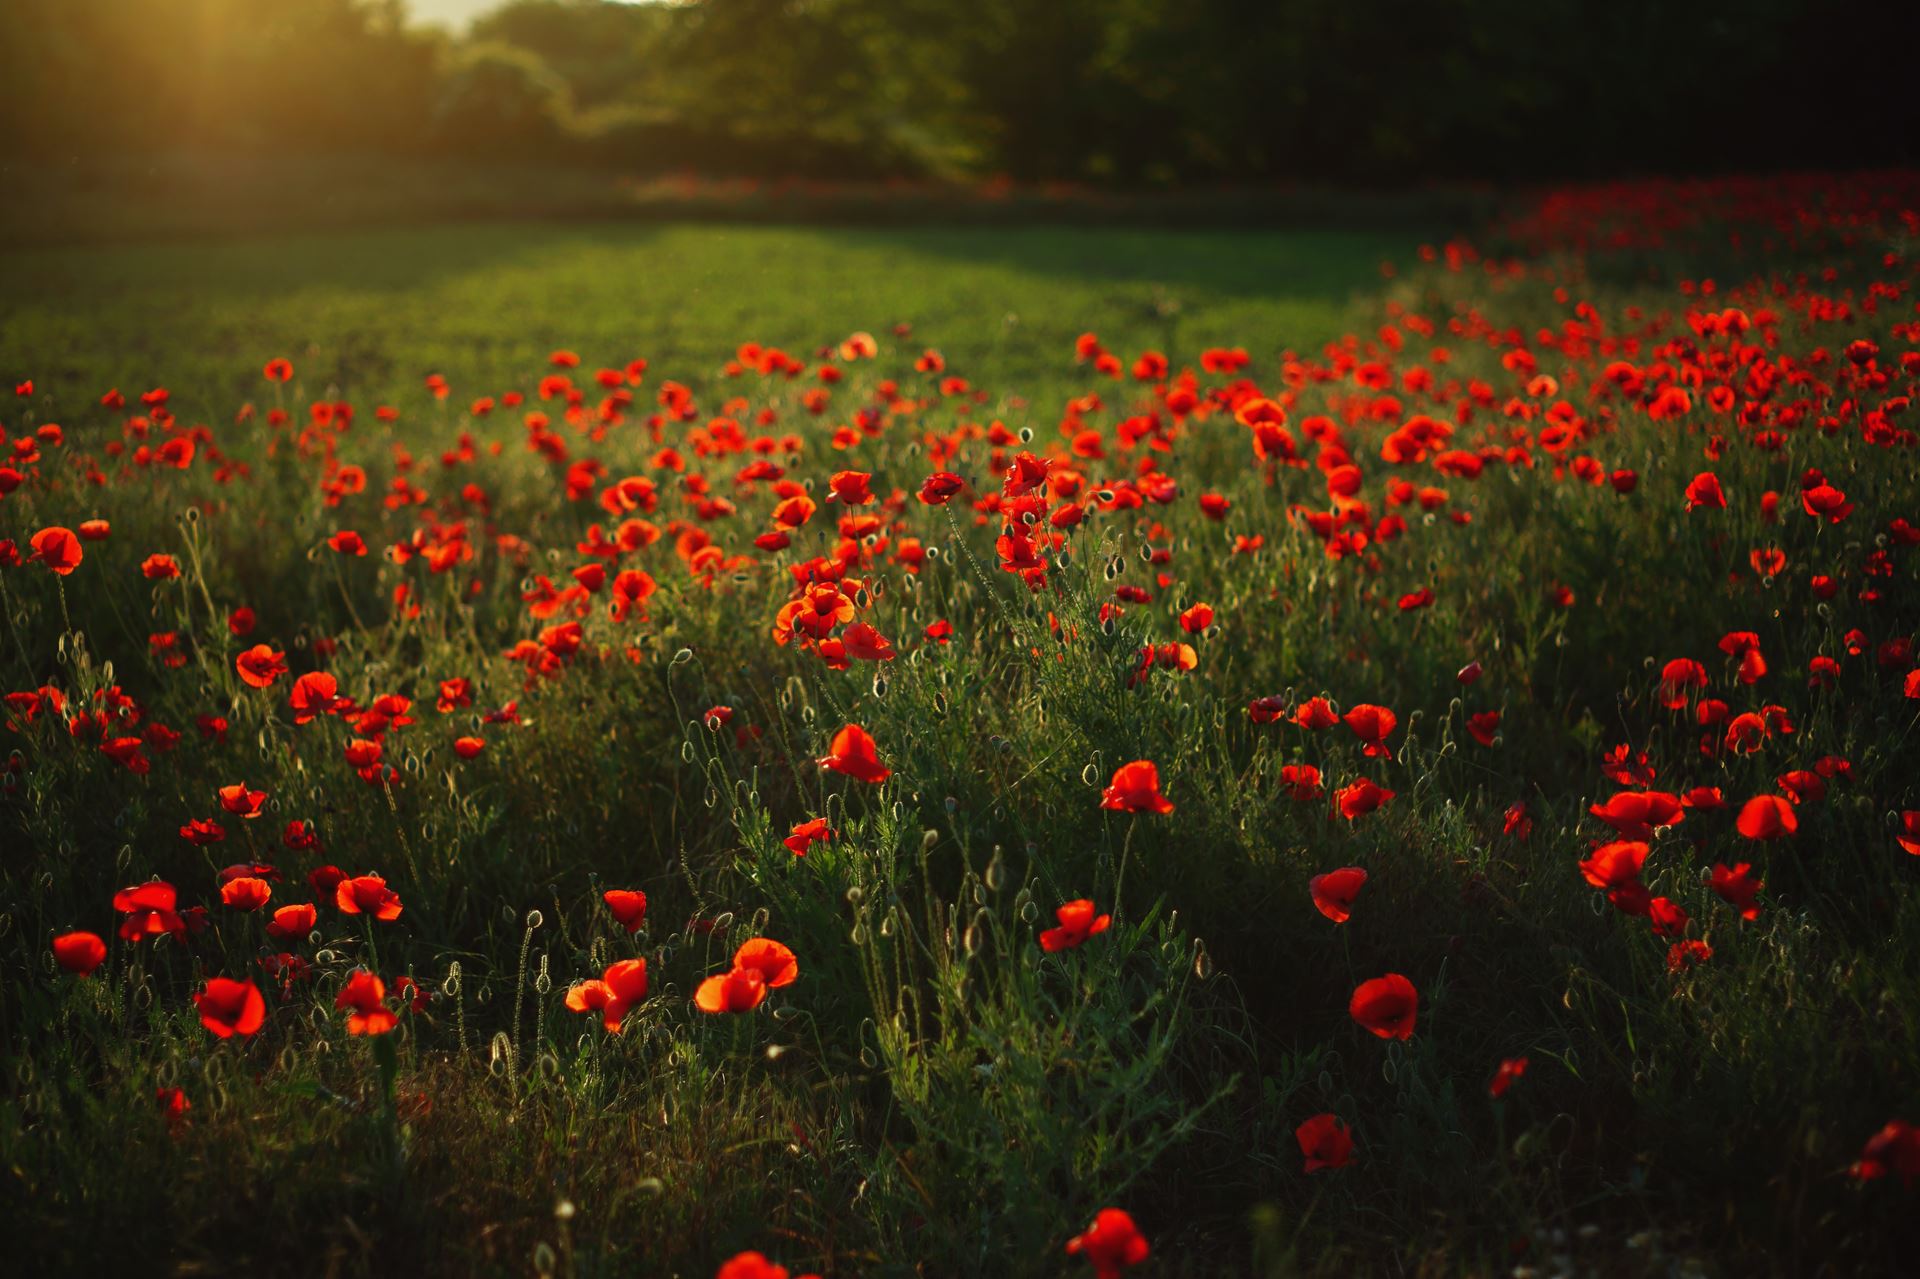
[(326, 101)]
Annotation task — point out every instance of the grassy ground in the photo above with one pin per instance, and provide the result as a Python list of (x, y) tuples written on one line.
[(936, 1094), (374, 312)]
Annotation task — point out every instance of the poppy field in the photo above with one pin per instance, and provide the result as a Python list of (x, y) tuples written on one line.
[(762, 753)]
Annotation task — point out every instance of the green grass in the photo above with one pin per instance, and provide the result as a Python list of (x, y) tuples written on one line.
[(934, 1095), (374, 312)]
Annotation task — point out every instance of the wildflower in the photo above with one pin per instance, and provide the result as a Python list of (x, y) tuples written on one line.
[(313, 694), (290, 922), (1077, 923), (363, 998), (369, 895), (853, 753), (149, 911), (79, 953), (806, 834), (1506, 1075), (1484, 727), (246, 893), (1894, 1149), (261, 665), (613, 994), (57, 548), (629, 907), (1738, 887), (753, 1265), (758, 966), (1385, 1006), (1372, 725), (1112, 1244), (1135, 788), (1687, 954), (1766, 817), (1333, 892), (1359, 798), (228, 1007), (1326, 1142), (241, 802)]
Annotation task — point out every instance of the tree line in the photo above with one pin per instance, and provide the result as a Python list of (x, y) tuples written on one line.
[(1127, 92)]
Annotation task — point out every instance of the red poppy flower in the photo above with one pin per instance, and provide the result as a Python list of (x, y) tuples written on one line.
[(1615, 865), (613, 994), (939, 487), (1507, 1074), (1635, 814), (246, 892), (1687, 954), (278, 370), (1895, 1150), (240, 801), (1484, 727), (1112, 1244), (57, 548), (1372, 725), (1803, 786), (1360, 798), (867, 644), (1704, 490), (290, 922), (806, 834), (1823, 501), (1333, 892), (173, 1105), (228, 1007), (1386, 1006), (735, 991), (1909, 836), (469, 747), (314, 694), (629, 907), (261, 665), (1326, 1142), (79, 953), (1315, 714), (202, 831), (1739, 887), (775, 963), (850, 487), (1664, 915), (1196, 619), (160, 568), (1077, 923), (149, 911), (1135, 788), (1766, 817), (363, 999), (368, 895), (754, 1265), (853, 753), (1301, 782)]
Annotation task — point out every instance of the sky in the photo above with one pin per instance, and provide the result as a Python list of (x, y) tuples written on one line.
[(451, 13)]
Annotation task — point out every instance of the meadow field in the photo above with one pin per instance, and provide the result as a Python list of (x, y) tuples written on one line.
[(599, 747)]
